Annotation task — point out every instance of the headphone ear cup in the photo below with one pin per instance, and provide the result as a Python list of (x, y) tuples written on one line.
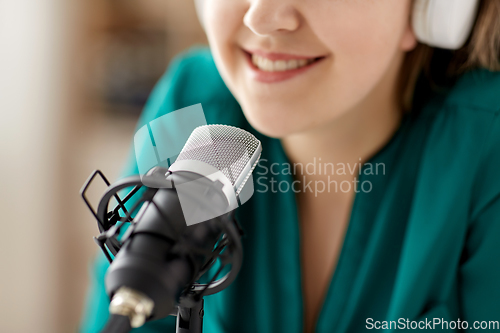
[(420, 22), (444, 23)]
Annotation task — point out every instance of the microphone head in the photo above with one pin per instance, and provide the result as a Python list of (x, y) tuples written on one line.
[(212, 171), (230, 150)]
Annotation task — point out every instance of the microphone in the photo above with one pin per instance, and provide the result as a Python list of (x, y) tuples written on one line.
[(184, 227)]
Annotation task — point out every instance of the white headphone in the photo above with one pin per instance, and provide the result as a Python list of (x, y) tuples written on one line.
[(444, 23), (440, 23)]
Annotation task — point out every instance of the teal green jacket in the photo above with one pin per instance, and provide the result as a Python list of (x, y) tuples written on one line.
[(424, 243)]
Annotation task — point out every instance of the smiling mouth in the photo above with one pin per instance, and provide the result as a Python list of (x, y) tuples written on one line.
[(286, 63)]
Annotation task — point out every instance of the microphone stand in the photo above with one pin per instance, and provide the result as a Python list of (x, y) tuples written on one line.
[(190, 319), (190, 309)]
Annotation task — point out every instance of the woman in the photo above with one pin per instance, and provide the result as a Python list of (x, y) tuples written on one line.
[(397, 223)]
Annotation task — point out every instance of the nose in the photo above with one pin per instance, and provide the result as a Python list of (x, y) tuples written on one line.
[(269, 17)]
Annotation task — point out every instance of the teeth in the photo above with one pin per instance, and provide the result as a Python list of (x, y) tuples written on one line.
[(268, 65), (303, 62), (292, 64), (280, 65)]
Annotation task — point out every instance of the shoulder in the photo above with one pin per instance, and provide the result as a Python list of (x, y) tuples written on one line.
[(476, 90), (462, 126), (475, 100), (192, 78)]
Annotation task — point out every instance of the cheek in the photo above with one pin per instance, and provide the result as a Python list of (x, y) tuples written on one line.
[(361, 25), (223, 19), (364, 37)]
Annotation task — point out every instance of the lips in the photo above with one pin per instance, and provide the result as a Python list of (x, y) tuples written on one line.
[(277, 67)]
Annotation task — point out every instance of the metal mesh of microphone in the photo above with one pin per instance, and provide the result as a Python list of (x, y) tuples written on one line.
[(231, 150)]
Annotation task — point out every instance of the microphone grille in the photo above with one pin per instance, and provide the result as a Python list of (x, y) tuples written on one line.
[(231, 150)]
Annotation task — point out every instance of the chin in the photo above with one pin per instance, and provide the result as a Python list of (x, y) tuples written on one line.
[(274, 122)]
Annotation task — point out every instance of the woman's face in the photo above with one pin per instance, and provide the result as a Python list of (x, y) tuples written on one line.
[(294, 65)]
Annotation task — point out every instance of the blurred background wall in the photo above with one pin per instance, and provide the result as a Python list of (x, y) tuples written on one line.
[(74, 76)]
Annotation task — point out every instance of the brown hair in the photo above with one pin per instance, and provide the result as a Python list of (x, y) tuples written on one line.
[(481, 50)]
